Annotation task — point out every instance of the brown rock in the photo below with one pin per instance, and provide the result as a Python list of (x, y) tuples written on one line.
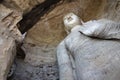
[(37, 55), (111, 10), (7, 54), (9, 34), (10, 18), (24, 5)]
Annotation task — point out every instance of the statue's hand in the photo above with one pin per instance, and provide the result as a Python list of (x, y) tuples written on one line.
[(89, 28)]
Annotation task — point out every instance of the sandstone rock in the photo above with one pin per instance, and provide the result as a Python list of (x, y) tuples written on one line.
[(25, 71), (111, 10), (41, 41), (24, 5), (7, 53), (9, 34), (37, 55), (9, 18)]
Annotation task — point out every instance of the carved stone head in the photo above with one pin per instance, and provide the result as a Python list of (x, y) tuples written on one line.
[(71, 20)]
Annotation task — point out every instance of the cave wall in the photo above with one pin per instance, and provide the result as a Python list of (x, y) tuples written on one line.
[(9, 35), (111, 10), (22, 5)]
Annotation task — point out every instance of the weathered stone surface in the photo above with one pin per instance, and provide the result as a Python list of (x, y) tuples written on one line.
[(7, 53), (37, 55), (9, 18), (9, 34), (111, 10), (93, 59), (26, 71), (24, 5)]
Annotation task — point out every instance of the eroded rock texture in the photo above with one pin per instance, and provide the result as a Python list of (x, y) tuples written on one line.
[(26, 71), (9, 34), (23, 5), (7, 54)]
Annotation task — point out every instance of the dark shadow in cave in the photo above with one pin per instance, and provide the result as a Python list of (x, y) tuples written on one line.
[(35, 14), (1, 1)]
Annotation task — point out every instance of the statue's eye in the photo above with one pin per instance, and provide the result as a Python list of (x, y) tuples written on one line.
[(65, 18)]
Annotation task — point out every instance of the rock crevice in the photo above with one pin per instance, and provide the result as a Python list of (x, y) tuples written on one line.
[(31, 18)]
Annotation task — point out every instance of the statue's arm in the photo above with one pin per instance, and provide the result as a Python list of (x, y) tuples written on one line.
[(64, 63), (103, 28)]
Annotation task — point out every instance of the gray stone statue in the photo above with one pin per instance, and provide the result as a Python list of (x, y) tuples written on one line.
[(91, 51)]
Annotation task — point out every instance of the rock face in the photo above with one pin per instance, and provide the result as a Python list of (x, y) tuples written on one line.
[(111, 10), (24, 5), (25, 71), (8, 51), (9, 34), (9, 18)]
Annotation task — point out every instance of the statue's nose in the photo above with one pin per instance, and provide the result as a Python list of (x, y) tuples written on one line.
[(70, 19)]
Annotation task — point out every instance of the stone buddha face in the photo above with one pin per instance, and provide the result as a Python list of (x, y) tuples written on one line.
[(71, 20)]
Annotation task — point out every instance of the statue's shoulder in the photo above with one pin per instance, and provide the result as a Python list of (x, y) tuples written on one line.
[(104, 20)]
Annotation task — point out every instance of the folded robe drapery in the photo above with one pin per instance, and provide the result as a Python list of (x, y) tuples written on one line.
[(103, 28), (92, 59)]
